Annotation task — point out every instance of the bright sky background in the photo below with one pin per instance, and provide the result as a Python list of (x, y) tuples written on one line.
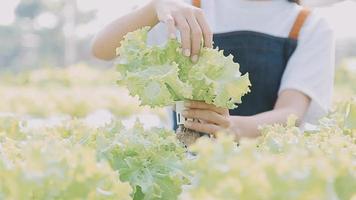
[(341, 16)]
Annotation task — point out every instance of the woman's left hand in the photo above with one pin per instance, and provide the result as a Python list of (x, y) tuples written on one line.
[(212, 119)]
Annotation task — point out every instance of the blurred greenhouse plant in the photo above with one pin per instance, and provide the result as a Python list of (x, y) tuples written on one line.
[(28, 43), (75, 91), (345, 80)]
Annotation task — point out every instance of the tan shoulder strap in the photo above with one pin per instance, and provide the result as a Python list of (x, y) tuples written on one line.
[(299, 22), (196, 3)]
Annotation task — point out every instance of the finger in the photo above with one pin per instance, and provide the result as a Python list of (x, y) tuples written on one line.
[(196, 36), (207, 33), (207, 115), (169, 21), (204, 128), (184, 30), (203, 105)]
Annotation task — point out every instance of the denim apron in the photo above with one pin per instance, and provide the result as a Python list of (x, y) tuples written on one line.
[(265, 58)]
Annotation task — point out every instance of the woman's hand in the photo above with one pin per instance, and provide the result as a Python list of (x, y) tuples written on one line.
[(212, 119), (189, 20)]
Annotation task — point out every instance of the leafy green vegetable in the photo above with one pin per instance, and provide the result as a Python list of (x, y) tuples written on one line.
[(161, 75), (350, 118), (284, 163), (51, 169), (75, 161), (152, 161)]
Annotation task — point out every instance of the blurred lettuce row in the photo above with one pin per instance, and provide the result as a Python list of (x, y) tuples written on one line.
[(152, 161), (161, 75), (73, 101), (345, 77), (76, 91), (52, 169), (285, 163), (75, 75)]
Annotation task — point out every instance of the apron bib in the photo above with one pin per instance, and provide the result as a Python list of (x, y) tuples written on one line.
[(265, 58)]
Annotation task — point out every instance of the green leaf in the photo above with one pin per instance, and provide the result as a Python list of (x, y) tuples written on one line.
[(350, 119), (161, 75)]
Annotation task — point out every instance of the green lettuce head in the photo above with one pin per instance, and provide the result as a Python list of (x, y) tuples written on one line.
[(161, 75)]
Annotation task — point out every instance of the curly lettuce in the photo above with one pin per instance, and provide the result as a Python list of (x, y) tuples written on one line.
[(161, 75)]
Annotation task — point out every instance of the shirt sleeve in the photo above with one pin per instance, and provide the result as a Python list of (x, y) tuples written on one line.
[(310, 70)]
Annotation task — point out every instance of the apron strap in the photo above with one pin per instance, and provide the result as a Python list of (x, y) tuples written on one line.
[(196, 3), (298, 24)]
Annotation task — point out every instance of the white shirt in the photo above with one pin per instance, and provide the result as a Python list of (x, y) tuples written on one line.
[(310, 69)]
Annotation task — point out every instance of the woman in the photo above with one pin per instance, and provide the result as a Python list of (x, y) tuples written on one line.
[(287, 50)]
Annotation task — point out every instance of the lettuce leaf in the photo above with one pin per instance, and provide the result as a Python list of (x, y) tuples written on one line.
[(152, 161), (161, 75)]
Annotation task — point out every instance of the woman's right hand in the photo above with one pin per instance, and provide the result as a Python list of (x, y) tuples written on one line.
[(189, 21)]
